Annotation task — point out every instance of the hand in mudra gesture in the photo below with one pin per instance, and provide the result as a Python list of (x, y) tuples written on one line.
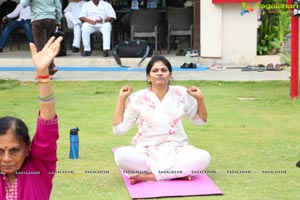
[(125, 91), (195, 92)]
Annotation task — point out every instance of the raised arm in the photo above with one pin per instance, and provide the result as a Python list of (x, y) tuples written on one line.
[(41, 60), (120, 108), (201, 107)]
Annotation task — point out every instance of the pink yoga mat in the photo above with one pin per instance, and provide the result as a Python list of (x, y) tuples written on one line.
[(198, 186)]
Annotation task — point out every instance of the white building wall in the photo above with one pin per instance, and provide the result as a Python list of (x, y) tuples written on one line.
[(237, 34), (211, 29)]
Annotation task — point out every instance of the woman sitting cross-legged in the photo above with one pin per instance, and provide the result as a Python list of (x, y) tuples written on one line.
[(160, 149)]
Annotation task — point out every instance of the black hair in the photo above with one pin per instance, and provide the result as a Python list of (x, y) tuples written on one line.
[(17, 126), (156, 58)]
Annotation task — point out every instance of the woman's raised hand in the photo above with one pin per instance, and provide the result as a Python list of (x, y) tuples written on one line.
[(195, 92), (125, 92), (42, 59)]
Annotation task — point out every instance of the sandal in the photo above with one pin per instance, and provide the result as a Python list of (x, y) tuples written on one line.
[(270, 67), (185, 66), (249, 68), (192, 65), (217, 67), (278, 67), (53, 71), (261, 68), (192, 53)]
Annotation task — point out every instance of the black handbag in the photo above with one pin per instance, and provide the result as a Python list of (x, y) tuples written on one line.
[(63, 46), (132, 49)]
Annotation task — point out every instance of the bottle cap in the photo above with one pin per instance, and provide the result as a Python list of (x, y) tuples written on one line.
[(74, 131)]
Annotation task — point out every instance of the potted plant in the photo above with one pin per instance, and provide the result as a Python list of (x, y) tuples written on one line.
[(275, 26)]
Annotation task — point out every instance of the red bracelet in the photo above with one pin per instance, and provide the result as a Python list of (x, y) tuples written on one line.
[(42, 77)]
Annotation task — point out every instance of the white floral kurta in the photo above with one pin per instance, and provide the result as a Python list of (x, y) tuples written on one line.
[(160, 130)]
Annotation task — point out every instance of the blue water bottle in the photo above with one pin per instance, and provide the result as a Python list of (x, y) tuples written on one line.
[(74, 143)]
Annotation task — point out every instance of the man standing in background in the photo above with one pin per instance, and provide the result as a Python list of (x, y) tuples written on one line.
[(45, 16)]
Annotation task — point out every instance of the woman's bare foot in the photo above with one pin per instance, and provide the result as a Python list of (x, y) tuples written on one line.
[(188, 178), (136, 178)]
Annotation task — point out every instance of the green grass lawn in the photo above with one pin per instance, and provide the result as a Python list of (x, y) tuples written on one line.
[(252, 136)]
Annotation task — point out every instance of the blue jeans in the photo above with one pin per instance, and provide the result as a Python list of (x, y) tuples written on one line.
[(15, 25)]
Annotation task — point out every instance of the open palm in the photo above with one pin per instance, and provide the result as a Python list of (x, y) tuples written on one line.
[(43, 58)]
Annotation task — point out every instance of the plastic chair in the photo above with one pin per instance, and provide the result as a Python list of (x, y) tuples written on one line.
[(180, 23), (96, 37), (17, 34), (144, 23)]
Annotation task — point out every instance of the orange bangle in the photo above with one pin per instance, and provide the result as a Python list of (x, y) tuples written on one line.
[(44, 80), (43, 77)]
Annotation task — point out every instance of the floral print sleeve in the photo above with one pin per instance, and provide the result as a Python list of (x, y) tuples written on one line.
[(159, 121), (190, 109), (129, 118)]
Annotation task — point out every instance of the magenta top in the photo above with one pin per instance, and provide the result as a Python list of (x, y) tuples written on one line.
[(35, 176)]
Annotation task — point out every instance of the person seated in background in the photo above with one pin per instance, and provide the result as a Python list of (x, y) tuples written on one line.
[(96, 16), (22, 22), (160, 149), (28, 167), (71, 13), (7, 7)]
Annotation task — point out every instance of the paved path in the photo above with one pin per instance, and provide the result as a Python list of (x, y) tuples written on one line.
[(22, 59), (224, 75)]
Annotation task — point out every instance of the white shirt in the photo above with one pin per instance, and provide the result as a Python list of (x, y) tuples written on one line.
[(93, 12), (74, 8), (158, 121), (20, 12)]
